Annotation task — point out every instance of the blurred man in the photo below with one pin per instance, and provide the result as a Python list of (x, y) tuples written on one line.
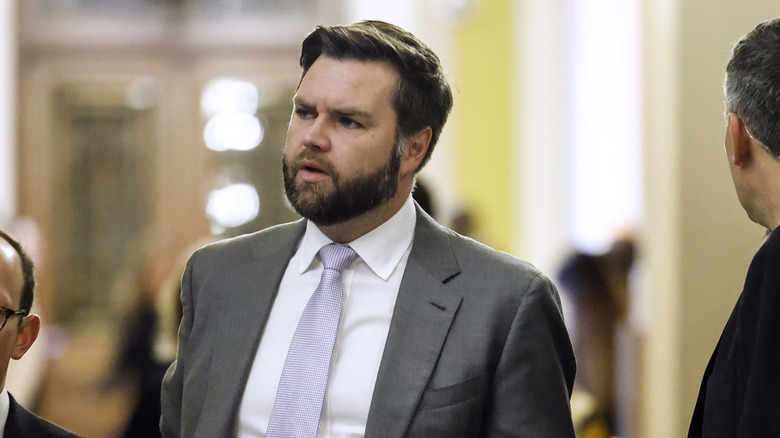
[(740, 393), (18, 331), (366, 318)]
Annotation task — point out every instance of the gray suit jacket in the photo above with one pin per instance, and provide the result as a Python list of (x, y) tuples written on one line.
[(477, 346)]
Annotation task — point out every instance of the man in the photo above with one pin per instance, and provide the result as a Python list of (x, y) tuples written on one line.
[(18, 330), (438, 336), (740, 393)]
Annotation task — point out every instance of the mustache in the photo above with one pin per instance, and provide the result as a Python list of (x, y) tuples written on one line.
[(295, 165)]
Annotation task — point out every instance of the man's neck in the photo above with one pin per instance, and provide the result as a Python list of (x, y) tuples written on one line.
[(759, 180)]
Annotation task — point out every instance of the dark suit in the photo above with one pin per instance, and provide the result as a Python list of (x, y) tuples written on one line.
[(476, 347), (740, 392), (21, 423)]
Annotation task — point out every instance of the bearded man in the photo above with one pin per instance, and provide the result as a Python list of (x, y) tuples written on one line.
[(366, 318)]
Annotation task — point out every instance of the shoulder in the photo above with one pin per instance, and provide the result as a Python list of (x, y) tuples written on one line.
[(22, 422), (437, 245), (473, 251), (770, 249), (760, 299), (489, 274), (253, 245), (762, 273)]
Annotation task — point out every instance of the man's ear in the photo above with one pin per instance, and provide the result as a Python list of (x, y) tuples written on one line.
[(416, 148), (28, 333), (740, 141)]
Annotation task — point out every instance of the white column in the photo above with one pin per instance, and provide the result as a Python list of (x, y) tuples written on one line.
[(604, 150), (542, 131), (7, 104)]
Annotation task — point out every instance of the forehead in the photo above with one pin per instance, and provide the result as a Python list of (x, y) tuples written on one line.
[(347, 82), (10, 274)]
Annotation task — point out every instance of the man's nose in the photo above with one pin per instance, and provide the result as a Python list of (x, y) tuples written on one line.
[(317, 135)]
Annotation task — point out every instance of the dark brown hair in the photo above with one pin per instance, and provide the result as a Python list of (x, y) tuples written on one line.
[(423, 97)]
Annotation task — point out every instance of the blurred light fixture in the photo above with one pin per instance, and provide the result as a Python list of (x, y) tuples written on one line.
[(233, 132), (142, 93), (228, 95), (232, 206)]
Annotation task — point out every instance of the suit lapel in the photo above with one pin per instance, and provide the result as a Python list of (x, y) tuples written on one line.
[(246, 306), (20, 422), (421, 320), (23, 423)]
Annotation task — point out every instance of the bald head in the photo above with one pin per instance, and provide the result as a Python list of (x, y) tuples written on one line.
[(16, 271), (16, 295)]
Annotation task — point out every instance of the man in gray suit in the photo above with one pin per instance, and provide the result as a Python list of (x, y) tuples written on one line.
[(436, 335)]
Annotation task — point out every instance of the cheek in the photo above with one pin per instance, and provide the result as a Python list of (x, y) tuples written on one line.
[(7, 342), (296, 129), (360, 162), (292, 136)]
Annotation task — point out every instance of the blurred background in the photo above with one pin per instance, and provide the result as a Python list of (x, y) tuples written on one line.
[(586, 138)]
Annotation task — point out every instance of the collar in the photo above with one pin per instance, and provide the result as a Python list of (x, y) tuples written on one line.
[(5, 407), (381, 248)]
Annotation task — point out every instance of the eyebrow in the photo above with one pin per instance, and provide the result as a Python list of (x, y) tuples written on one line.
[(346, 111)]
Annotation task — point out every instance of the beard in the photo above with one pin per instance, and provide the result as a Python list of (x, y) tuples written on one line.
[(349, 197)]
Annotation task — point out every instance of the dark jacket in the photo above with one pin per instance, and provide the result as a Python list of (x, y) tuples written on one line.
[(740, 392), (22, 423)]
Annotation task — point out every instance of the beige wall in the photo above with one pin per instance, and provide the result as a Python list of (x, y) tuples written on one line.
[(697, 239)]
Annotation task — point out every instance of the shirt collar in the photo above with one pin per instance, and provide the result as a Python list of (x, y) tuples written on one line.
[(381, 248), (5, 406)]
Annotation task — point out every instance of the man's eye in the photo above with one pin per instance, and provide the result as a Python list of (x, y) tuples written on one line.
[(303, 113), (350, 123)]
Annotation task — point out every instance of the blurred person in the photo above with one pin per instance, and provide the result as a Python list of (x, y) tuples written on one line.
[(137, 363), (145, 350), (438, 336), (463, 222), (18, 331), (596, 286), (740, 390)]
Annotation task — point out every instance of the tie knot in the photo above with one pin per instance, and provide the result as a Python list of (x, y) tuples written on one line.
[(336, 256)]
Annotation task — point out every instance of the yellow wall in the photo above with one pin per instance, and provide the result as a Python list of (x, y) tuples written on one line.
[(482, 122)]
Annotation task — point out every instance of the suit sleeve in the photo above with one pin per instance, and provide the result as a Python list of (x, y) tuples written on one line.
[(173, 382), (535, 373)]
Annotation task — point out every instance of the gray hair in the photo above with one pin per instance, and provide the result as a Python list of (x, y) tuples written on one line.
[(752, 85)]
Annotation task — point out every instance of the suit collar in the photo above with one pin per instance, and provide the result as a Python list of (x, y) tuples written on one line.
[(5, 403), (432, 248), (421, 320), (23, 423), (423, 314), (285, 240), (245, 307), (381, 249)]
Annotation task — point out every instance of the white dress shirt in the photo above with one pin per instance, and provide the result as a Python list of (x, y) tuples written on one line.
[(370, 288), (5, 406)]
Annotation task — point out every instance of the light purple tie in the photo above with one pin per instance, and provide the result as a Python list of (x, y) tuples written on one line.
[(298, 404)]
